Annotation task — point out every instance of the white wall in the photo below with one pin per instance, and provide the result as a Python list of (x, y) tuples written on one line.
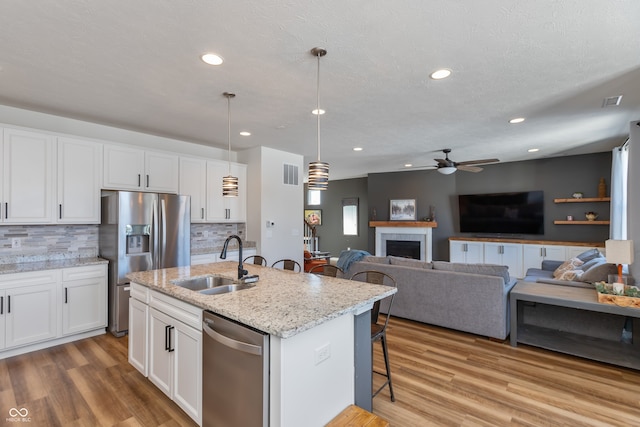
[(78, 128), (272, 200), (634, 196)]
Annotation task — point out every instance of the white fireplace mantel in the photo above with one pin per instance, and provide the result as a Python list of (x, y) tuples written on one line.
[(405, 230)]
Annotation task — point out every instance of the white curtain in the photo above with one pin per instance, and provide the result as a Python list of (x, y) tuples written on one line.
[(618, 215)]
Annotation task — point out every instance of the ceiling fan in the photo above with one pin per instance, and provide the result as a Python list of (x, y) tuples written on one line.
[(447, 166)]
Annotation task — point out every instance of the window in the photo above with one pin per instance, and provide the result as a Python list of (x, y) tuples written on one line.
[(350, 216), (313, 197)]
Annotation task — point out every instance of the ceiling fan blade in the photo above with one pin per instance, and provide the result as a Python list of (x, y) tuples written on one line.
[(467, 168), (441, 161), (478, 162)]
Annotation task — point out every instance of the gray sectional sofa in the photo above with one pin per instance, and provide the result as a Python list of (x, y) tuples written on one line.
[(467, 297)]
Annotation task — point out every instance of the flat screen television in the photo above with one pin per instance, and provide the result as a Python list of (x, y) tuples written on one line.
[(502, 213)]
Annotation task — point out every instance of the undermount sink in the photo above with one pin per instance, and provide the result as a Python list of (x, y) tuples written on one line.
[(223, 289), (212, 285)]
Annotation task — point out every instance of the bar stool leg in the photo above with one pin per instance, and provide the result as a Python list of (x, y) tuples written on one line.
[(385, 351)]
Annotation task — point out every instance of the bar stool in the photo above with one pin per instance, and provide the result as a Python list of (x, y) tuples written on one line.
[(379, 330), (288, 264), (257, 260), (326, 270)]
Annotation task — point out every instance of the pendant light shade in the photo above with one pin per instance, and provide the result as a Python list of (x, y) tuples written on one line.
[(229, 182), (318, 170)]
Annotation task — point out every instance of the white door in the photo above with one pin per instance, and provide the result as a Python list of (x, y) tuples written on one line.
[(161, 172), (216, 209), (123, 168), (512, 257), (238, 205), (30, 314), (532, 256), (193, 180), (138, 340), (555, 253), (161, 348), (187, 378), (84, 305), (79, 181), (28, 175), (3, 310)]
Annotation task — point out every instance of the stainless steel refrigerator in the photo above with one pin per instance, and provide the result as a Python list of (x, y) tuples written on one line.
[(140, 232)]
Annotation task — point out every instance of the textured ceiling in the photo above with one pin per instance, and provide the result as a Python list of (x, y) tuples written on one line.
[(135, 65)]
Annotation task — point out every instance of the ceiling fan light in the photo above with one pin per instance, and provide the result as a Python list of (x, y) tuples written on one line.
[(318, 176), (447, 170)]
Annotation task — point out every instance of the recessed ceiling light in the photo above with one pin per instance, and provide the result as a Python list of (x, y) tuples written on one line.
[(245, 133), (440, 74), (408, 165), (533, 150), (316, 111), (212, 59), (516, 120), (357, 148)]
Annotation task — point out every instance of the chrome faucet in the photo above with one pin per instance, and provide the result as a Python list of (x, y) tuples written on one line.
[(223, 255)]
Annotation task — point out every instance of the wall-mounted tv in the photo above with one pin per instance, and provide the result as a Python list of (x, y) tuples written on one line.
[(502, 213)]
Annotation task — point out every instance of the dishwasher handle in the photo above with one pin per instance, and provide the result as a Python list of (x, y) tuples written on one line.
[(229, 342)]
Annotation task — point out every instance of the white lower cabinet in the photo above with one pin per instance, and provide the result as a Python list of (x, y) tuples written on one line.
[(466, 252), (84, 305), (40, 309), (165, 344), (533, 255), (509, 254), (30, 309)]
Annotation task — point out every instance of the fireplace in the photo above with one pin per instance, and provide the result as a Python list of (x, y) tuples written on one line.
[(403, 248), (414, 233)]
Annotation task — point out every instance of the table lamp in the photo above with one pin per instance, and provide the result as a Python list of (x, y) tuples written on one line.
[(619, 252)]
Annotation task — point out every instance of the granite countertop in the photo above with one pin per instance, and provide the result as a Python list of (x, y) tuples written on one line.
[(23, 267), (283, 303)]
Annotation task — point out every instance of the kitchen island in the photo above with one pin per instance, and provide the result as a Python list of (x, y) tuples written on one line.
[(302, 313)]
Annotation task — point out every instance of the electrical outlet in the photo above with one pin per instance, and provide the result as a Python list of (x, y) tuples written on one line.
[(322, 353), (15, 242)]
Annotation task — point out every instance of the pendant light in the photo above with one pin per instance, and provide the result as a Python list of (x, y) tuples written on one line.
[(229, 182), (318, 171)]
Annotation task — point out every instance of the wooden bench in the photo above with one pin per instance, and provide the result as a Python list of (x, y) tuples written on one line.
[(354, 416)]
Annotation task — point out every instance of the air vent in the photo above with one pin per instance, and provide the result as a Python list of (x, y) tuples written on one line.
[(612, 101), (290, 175)]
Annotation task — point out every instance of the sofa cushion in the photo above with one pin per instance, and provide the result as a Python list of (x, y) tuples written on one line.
[(599, 272), (409, 262), (571, 264), (485, 269), (590, 255), (376, 259)]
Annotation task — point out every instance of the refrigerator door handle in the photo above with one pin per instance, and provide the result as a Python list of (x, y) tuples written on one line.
[(163, 233), (155, 220)]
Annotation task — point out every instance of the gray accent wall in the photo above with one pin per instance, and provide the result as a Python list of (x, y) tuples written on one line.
[(558, 177), (634, 196), (330, 237)]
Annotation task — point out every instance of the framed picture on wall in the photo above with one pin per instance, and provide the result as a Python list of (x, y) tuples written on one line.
[(313, 216), (402, 210)]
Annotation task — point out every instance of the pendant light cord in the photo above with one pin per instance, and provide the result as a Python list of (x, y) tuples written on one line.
[(229, 129), (318, 104)]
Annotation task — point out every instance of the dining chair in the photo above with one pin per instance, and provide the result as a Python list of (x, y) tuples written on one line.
[(255, 259), (378, 328), (287, 264), (326, 270)]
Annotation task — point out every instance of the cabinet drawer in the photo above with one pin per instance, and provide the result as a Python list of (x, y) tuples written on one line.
[(139, 292), (85, 272), (179, 310), (30, 278)]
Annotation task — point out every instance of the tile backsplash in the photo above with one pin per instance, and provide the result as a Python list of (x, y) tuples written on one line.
[(80, 241)]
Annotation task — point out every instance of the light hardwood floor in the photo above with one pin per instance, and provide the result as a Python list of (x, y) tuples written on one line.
[(441, 378)]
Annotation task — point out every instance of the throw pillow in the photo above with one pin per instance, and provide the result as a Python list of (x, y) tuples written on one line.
[(599, 272), (589, 255), (571, 275), (572, 264)]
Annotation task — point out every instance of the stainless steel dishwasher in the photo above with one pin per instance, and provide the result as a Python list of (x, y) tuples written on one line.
[(235, 374)]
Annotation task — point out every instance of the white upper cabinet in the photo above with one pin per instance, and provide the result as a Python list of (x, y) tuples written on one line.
[(193, 182), (28, 174), (226, 209), (79, 178), (128, 168)]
